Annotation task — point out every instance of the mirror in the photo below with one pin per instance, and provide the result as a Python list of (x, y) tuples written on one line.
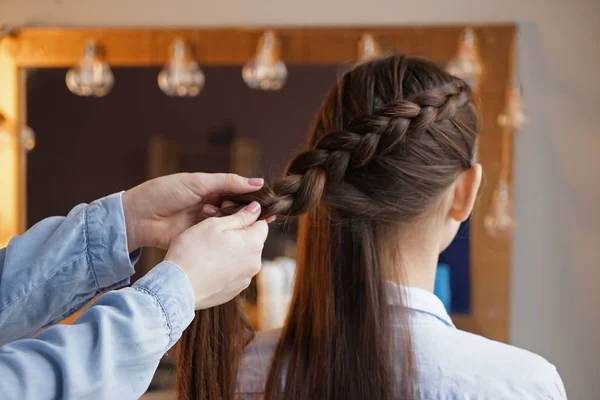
[(90, 147)]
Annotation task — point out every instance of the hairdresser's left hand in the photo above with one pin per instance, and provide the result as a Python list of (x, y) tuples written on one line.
[(157, 211)]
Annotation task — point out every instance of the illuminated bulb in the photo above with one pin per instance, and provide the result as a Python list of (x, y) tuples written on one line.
[(513, 117), (368, 48), (500, 221), (181, 77), (27, 138), (92, 77), (467, 63), (266, 71)]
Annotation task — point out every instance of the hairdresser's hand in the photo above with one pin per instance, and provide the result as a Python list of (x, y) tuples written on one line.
[(221, 255), (157, 211)]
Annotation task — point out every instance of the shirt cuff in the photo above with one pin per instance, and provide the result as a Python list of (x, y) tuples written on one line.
[(107, 242), (173, 292)]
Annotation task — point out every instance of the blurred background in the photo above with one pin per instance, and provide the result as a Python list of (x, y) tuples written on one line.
[(553, 279)]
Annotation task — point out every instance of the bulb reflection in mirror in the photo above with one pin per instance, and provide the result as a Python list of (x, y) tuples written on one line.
[(92, 77), (266, 71), (467, 62), (368, 48), (500, 221), (514, 117), (181, 77)]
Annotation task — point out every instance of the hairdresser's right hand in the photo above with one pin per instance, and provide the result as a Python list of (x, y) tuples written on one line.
[(221, 255)]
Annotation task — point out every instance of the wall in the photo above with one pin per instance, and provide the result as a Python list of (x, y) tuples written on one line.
[(555, 303)]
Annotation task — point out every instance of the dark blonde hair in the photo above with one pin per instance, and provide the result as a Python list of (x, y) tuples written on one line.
[(392, 135)]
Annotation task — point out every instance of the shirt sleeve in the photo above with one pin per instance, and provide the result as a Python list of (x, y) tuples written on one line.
[(557, 387), (111, 351), (60, 264)]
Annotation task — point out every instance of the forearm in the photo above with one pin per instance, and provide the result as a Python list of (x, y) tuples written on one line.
[(110, 352), (60, 264)]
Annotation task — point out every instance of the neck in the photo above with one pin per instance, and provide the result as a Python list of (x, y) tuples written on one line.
[(418, 260)]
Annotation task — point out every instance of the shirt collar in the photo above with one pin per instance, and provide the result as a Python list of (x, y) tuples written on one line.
[(418, 300)]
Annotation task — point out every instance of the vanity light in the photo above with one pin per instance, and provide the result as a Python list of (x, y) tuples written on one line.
[(467, 62), (368, 48), (266, 71), (181, 77), (92, 77)]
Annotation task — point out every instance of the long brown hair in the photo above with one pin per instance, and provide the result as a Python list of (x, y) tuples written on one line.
[(390, 138)]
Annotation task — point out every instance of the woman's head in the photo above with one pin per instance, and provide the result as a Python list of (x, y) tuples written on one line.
[(392, 150), (394, 140)]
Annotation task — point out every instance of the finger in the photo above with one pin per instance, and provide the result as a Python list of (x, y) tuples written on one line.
[(206, 184), (257, 233), (271, 219), (209, 210), (243, 219), (229, 207), (228, 204)]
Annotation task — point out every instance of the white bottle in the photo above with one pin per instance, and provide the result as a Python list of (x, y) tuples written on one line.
[(271, 301)]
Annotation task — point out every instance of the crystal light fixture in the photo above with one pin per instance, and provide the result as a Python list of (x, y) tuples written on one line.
[(514, 117), (181, 77), (368, 48), (92, 77), (266, 71), (467, 62), (500, 220)]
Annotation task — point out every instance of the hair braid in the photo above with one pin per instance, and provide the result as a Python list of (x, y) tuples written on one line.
[(317, 174)]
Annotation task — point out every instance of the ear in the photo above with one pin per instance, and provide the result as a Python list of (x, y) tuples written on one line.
[(466, 188)]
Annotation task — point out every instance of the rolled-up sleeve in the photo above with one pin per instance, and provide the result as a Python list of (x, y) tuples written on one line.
[(60, 264), (111, 351)]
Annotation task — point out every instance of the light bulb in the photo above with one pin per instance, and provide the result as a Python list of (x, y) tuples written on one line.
[(467, 63), (181, 77), (266, 71), (514, 117), (368, 48), (27, 138), (500, 221), (92, 77)]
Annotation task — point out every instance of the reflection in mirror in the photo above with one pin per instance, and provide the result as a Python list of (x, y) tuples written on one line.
[(90, 147)]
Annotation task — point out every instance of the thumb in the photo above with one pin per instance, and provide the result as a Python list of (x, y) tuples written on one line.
[(242, 219), (205, 184)]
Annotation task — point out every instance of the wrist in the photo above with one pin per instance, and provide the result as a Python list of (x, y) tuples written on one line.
[(131, 222)]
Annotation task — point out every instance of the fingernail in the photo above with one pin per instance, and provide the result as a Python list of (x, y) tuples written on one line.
[(256, 182), (253, 207), (208, 210)]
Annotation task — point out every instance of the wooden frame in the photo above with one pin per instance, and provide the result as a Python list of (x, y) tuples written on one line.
[(43, 48)]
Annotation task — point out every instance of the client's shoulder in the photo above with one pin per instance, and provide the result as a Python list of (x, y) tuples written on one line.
[(472, 365), (256, 361)]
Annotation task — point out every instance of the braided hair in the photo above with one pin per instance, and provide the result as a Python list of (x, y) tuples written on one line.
[(334, 167), (391, 137)]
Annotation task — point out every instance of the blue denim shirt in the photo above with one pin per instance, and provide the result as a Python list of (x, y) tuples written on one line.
[(451, 364), (113, 349)]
